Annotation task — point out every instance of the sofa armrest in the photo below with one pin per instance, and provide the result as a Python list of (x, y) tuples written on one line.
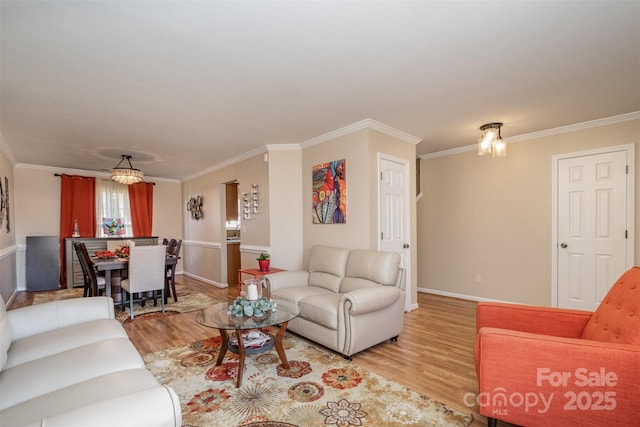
[(366, 300), (39, 318), (157, 406), (286, 279), (559, 378), (527, 318)]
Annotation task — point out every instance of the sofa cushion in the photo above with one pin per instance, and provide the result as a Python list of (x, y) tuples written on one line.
[(51, 373), (6, 335), (327, 267), (376, 266), (58, 340), (79, 395), (289, 298), (321, 309), (617, 319)]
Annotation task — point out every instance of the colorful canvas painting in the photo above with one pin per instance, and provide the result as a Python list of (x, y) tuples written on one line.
[(329, 193), (112, 226)]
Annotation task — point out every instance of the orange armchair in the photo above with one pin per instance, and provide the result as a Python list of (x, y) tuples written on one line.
[(559, 367)]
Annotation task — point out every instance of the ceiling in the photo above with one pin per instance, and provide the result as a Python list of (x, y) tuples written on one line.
[(183, 86)]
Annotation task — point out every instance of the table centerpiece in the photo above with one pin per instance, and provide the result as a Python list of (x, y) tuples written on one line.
[(242, 306)]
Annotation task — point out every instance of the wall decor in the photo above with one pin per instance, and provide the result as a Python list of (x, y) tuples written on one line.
[(255, 198), (194, 205), (6, 203), (112, 227), (246, 205), (1, 204), (329, 195)]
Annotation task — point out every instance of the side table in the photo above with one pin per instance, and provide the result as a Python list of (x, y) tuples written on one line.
[(256, 273)]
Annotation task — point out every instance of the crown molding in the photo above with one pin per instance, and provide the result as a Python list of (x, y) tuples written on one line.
[(542, 134), (362, 124), (232, 161), (7, 152)]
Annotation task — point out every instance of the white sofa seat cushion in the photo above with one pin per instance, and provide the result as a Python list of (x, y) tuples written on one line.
[(289, 298), (321, 309), (79, 395), (63, 339), (51, 373)]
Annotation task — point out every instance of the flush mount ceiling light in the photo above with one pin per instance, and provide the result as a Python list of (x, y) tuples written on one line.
[(491, 141), (126, 175)]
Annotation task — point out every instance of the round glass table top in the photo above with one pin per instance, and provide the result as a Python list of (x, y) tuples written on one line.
[(216, 316)]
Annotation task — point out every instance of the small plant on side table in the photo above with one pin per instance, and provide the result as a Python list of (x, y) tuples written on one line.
[(264, 261)]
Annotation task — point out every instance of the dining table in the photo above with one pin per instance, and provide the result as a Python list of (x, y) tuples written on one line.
[(107, 265)]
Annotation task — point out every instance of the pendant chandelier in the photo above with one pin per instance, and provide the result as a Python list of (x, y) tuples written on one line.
[(126, 175)]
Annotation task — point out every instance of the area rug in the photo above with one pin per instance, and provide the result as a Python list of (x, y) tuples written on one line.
[(320, 389), (188, 300)]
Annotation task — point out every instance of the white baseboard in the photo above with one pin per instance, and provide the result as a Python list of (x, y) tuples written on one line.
[(208, 281), (460, 296)]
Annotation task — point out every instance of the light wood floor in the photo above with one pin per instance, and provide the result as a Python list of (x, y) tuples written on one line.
[(433, 355)]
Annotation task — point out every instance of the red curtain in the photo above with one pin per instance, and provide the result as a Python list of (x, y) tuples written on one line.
[(77, 202), (141, 205)]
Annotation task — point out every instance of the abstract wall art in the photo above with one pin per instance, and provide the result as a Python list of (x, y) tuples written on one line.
[(329, 193)]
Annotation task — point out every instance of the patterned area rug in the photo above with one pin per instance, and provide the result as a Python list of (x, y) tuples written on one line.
[(320, 389), (188, 300)]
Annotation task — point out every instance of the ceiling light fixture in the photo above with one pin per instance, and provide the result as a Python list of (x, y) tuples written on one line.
[(125, 175), (491, 141)]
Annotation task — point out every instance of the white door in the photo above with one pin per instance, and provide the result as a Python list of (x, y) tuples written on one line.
[(394, 213), (592, 227)]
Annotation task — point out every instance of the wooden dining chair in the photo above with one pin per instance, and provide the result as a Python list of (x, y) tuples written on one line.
[(146, 273), (173, 249), (93, 283)]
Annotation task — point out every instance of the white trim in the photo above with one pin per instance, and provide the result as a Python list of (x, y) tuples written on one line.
[(210, 282), (9, 250), (630, 241), (7, 151), (540, 134), (283, 147), (362, 124), (462, 296), (230, 162), (248, 249), (202, 244)]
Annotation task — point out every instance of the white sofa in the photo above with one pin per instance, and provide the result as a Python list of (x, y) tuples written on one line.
[(70, 363), (348, 300)]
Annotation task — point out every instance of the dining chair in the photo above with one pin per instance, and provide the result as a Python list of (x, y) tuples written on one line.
[(173, 249), (146, 274), (93, 283)]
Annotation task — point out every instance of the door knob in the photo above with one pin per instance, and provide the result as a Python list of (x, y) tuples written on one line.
[(405, 246), (563, 245)]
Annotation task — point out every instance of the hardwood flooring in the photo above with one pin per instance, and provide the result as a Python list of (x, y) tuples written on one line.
[(433, 355)]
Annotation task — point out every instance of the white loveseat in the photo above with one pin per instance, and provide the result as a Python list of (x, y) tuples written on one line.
[(348, 300), (70, 363)]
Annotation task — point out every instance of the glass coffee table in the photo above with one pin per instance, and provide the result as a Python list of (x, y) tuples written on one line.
[(216, 316)]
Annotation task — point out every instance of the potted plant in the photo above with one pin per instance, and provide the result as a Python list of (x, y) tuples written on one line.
[(263, 261)]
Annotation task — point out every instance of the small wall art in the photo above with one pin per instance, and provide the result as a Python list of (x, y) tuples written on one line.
[(194, 205), (329, 195)]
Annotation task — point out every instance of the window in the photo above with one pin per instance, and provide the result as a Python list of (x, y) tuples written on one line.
[(112, 201)]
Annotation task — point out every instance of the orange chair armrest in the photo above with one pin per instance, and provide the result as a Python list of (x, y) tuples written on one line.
[(534, 319)]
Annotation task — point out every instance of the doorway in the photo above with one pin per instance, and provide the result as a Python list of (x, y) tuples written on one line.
[(593, 223), (394, 214)]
